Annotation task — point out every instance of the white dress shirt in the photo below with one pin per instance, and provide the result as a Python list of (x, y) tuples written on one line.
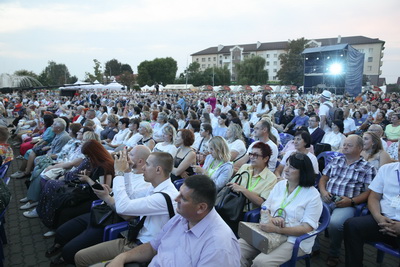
[(145, 203)]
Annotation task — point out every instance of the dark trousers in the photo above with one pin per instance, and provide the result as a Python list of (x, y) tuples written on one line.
[(359, 230), (77, 234), (66, 214)]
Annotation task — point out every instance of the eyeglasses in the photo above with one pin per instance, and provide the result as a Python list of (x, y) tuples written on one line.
[(255, 155)]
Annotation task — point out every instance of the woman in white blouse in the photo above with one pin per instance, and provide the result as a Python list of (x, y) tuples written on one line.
[(120, 136), (335, 137), (234, 136), (168, 144)]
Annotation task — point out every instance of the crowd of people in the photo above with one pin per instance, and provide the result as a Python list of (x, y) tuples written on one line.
[(125, 147)]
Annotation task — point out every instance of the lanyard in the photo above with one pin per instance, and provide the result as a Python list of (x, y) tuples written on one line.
[(251, 187), (284, 202), (210, 170)]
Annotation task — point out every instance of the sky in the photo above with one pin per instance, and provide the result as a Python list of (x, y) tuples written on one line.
[(74, 32)]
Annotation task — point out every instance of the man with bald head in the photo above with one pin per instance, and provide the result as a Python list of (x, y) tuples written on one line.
[(344, 185)]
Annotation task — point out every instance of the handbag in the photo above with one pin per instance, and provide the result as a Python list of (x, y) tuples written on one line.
[(136, 225), (52, 174), (263, 241), (230, 204), (103, 215)]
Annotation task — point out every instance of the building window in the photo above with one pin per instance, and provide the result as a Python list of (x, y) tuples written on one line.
[(273, 78), (275, 55), (226, 57), (369, 68), (267, 55), (197, 60), (275, 70), (275, 63), (361, 50), (267, 63), (209, 59), (215, 58), (203, 59), (370, 50), (369, 59), (209, 65)]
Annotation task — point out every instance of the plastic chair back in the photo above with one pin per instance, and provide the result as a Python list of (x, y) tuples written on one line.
[(178, 183), (4, 169), (328, 156), (285, 137), (323, 224), (252, 216)]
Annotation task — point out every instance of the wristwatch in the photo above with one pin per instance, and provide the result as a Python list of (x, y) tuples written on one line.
[(119, 173), (352, 202)]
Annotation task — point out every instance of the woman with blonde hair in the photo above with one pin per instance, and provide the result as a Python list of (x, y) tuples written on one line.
[(168, 144), (217, 164), (146, 131), (373, 151), (234, 136)]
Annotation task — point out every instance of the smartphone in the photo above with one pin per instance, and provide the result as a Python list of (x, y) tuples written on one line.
[(97, 186)]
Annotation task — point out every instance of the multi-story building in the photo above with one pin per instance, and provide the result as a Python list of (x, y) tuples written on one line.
[(220, 56)]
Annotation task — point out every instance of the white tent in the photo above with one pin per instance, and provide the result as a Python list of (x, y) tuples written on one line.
[(114, 86), (145, 88), (178, 87)]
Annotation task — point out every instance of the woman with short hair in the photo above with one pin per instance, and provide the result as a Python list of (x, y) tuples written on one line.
[(185, 156)]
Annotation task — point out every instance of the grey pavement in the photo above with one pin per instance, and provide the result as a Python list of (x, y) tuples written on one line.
[(26, 245)]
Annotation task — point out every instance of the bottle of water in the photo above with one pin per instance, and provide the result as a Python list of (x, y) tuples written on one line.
[(264, 215)]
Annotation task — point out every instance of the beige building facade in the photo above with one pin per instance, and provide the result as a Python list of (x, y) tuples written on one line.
[(220, 56)]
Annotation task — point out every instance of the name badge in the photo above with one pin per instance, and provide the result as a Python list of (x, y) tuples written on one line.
[(395, 202)]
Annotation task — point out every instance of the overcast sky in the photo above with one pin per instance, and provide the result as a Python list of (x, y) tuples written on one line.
[(74, 32)]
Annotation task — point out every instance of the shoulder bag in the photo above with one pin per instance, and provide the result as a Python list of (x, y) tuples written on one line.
[(135, 225), (230, 204)]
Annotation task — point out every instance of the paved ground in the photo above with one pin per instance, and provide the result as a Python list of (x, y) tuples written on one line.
[(26, 245)]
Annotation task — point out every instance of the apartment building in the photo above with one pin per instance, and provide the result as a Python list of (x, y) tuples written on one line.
[(219, 56)]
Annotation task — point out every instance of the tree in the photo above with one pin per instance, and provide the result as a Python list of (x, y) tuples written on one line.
[(251, 71), (292, 65), (215, 76), (113, 68), (127, 78), (98, 74), (126, 68), (160, 70), (54, 74)]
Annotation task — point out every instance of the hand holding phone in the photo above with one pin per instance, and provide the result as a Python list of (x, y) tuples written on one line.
[(97, 186)]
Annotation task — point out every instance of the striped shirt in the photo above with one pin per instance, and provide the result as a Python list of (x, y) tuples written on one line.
[(348, 180)]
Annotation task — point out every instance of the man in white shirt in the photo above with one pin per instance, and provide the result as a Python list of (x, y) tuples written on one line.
[(383, 224), (262, 133), (146, 203), (349, 124), (326, 104)]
